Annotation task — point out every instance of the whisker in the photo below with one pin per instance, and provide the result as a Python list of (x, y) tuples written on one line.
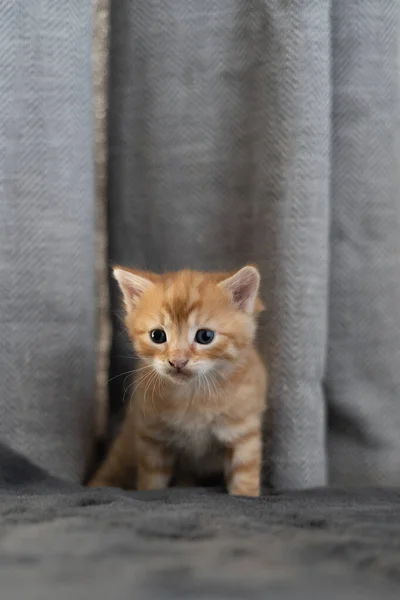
[(149, 384), (120, 375), (219, 386), (136, 383), (142, 379), (208, 386), (125, 392), (198, 384), (205, 385), (160, 383), (215, 381), (143, 368), (123, 385), (157, 378), (152, 393)]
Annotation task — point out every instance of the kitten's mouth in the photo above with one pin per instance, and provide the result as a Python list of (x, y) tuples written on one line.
[(179, 374)]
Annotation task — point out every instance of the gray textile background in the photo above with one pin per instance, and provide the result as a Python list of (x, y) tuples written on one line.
[(219, 138), (46, 233), (363, 374), (62, 541)]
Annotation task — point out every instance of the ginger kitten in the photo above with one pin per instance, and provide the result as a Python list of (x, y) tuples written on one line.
[(201, 388)]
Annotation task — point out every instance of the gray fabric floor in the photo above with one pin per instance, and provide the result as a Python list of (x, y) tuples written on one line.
[(62, 541)]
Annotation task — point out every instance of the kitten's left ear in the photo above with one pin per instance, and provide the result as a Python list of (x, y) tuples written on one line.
[(243, 289), (132, 284)]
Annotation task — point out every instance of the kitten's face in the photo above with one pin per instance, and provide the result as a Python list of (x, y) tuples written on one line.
[(190, 326)]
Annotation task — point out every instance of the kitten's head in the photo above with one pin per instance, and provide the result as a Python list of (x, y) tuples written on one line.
[(188, 324)]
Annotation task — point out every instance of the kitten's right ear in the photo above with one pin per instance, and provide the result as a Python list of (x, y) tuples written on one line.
[(132, 285), (243, 286)]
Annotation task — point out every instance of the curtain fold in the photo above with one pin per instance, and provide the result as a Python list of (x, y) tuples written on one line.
[(47, 335), (363, 375)]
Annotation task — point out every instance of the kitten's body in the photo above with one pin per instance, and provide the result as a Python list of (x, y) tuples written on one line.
[(205, 414)]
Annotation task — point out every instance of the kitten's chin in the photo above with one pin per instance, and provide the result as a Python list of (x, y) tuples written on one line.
[(179, 378)]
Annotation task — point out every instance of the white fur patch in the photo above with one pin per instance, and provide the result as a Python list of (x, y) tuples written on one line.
[(193, 434)]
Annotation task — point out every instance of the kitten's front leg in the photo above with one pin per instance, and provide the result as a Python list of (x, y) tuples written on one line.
[(243, 457), (154, 463)]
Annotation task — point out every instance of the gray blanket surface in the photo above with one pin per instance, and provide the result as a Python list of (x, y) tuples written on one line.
[(63, 541)]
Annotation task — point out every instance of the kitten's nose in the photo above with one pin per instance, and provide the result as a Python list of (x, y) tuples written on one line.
[(178, 363)]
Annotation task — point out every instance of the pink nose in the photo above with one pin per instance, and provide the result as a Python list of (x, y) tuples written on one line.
[(178, 363)]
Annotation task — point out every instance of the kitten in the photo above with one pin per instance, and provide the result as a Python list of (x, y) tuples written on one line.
[(201, 390)]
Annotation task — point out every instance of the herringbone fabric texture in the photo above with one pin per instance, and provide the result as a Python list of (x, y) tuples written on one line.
[(363, 374), (219, 133), (46, 241)]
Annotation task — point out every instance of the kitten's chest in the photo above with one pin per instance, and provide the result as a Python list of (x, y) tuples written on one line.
[(193, 433)]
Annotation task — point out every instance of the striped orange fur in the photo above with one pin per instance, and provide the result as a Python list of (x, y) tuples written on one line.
[(201, 392)]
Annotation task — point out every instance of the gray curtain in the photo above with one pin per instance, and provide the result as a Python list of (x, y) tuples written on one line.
[(47, 299), (267, 131), (363, 374)]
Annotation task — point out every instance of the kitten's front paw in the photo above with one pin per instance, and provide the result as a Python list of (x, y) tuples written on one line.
[(250, 492)]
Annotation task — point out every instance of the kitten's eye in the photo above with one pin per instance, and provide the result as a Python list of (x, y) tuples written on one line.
[(158, 336), (204, 336)]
